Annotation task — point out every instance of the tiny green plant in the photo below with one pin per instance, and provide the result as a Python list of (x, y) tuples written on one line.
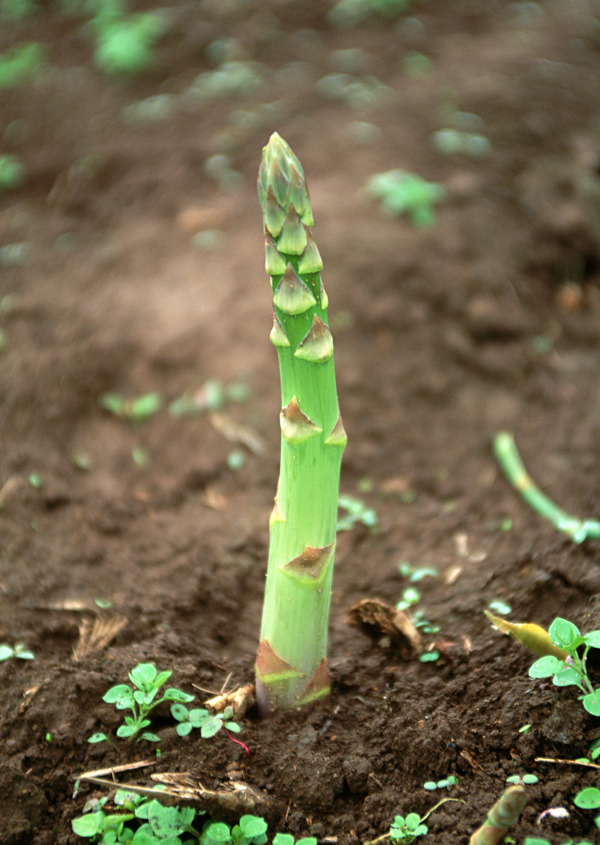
[(356, 513), (134, 410), (140, 699), (572, 670), (444, 783), (19, 651), (125, 43), (291, 661), (405, 829), (522, 780), (407, 193), (20, 64), (208, 723), (12, 173)]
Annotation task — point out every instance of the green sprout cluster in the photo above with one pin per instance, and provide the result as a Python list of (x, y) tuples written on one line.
[(140, 699), (143, 820)]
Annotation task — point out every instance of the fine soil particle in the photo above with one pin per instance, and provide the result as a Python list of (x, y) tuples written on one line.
[(138, 271)]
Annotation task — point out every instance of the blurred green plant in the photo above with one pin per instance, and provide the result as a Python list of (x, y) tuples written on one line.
[(347, 14), (400, 193), (21, 63), (12, 173)]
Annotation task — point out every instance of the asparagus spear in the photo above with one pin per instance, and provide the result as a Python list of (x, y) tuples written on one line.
[(291, 662)]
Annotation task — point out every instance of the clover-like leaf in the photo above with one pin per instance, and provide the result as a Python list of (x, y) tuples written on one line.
[(545, 667), (173, 694), (143, 675), (211, 726), (567, 677), (121, 696), (564, 634), (591, 702)]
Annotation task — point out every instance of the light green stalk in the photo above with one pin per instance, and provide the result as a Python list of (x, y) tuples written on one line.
[(291, 663), (503, 815), (509, 459)]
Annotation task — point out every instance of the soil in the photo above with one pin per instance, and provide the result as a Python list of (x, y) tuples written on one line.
[(488, 320)]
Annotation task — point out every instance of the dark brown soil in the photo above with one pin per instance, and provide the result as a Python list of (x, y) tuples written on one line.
[(488, 320)]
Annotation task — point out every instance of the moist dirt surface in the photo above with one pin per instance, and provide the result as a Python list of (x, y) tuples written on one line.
[(142, 271)]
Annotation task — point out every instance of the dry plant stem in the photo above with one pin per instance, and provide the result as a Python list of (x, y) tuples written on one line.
[(291, 667), (503, 815), (509, 459)]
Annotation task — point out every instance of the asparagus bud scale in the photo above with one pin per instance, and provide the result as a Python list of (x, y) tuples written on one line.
[(291, 662)]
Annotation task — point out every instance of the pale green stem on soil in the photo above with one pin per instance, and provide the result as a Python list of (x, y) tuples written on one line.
[(291, 665), (510, 461), (503, 815)]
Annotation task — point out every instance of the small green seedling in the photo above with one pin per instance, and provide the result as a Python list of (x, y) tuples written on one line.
[(20, 63), (125, 44), (445, 783), (589, 799), (140, 701), (12, 173), (571, 671), (409, 597), (135, 410), (500, 607), (405, 829), (522, 780), (209, 723), (407, 193), (19, 651), (356, 513), (407, 570)]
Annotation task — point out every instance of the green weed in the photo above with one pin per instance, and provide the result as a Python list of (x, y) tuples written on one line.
[(140, 700), (406, 193), (573, 670)]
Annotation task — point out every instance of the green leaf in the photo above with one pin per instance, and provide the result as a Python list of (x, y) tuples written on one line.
[(283, 839), (89, 825), (145, 697), (143, 675), (97, 737), (217, 833), (184, 728), (198, 716), (591, 702), (162, 678), (233, 726), (211, 726), (121, 696), (253, 826), (588, 799), (592, 639), (567, 677), (150, 737), (545, 667), (125, 731), (177, 695), (307, 840), (179, 712), (563, 633), (6, 651)]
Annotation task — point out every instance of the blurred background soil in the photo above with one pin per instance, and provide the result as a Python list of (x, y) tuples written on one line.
[(131, 263)]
